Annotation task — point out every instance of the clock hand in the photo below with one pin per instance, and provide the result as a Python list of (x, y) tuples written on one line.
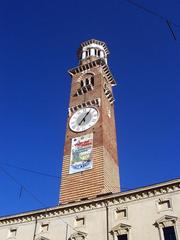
[(84, 118)]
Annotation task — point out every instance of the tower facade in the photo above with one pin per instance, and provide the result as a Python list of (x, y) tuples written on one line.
[(90, 164)]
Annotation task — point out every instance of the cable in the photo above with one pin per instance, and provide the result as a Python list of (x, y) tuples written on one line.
[(147, 10), (45, 174), (42, 174), (32, 194), (29, 170), (22, 186), (132, 2), (171, 30)]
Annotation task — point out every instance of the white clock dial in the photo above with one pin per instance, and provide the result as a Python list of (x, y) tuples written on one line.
[(83, 119)]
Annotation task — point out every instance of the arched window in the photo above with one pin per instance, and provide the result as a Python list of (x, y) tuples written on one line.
[(95, 51), (92, 81), (87, 81), (99, 53), (86, 84)]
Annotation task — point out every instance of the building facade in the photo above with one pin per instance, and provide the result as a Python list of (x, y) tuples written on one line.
[(147, 213), (91, 205)]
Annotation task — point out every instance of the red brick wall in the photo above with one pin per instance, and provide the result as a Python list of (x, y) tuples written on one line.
[(104, 176)]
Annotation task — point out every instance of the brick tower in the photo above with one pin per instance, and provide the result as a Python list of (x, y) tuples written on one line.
[(90, 164)]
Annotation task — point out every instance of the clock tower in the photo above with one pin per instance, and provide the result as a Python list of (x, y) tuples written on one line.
[(90, 164)]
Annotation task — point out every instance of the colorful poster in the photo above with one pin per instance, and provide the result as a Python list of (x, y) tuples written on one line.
[(81, 153)]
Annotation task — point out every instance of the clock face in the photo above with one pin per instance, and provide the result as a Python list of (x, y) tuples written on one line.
[(83, 119)]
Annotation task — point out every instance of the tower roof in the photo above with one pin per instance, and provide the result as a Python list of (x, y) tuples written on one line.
[(91, 41)]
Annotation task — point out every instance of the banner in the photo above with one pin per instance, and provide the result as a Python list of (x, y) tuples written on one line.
[(81, 153)]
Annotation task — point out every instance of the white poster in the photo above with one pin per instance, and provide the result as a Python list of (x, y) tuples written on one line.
[(81, 153)]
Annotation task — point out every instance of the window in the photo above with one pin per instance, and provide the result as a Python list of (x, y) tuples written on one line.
[(169, 233), (86, 84), (164, 205), (122, 237), (87, 81), (44, 227), (167, 227), (121, 231), (12, 232), (92, 81), (80, 222), (121, 213)]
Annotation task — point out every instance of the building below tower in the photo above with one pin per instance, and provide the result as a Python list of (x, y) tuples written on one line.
[(150, 212)]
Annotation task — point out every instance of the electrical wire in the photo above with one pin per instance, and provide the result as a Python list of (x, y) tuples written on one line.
[(46, 174), (155, 14), (171, 30), (22, 186), (29, 170), (32, 194), (145, 9)]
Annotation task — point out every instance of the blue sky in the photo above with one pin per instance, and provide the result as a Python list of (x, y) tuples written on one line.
[(38, 44)]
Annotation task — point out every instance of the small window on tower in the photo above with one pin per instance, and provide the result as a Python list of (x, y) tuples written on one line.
[(84, 90), (86, 84), (79, 92), (99, 52), (95, 50), (87, 81), (92, 81)]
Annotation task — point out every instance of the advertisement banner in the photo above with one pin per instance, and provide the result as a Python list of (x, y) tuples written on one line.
[(81, 153)]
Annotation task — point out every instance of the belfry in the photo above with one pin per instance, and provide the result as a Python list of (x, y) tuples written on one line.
[(90, 165)]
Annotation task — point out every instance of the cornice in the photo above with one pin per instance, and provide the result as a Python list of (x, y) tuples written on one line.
[(95, 203), (94, 102), (99, 62)]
